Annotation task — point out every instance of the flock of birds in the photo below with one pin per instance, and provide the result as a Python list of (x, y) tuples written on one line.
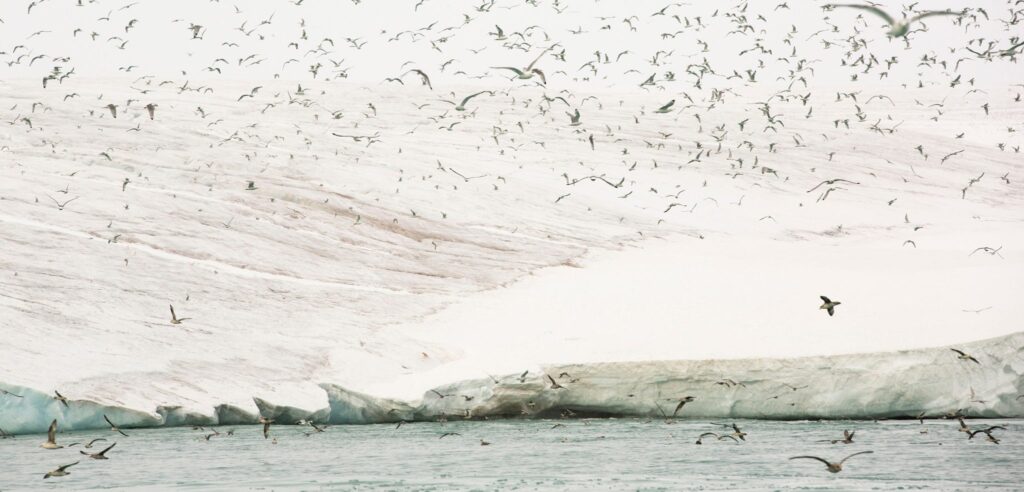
[(849, 36)]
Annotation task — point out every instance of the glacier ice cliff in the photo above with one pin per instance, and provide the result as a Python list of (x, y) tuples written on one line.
[(932, 383)]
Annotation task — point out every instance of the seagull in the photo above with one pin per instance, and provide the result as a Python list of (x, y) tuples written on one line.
[(266, 425), (528, 72), (59, 397), (100, 455), (114, 427), (554, 384), (897, 28), (51, 437), (682, 402), (666, 108), (832, 467), (720, 438), (94, 441), (113, 110), (847, 438), (987, 432), (829, 305), (60, 471), (574, 119), (462, 106), (151, 108), (423, 77), (175, 320), (964, 356)]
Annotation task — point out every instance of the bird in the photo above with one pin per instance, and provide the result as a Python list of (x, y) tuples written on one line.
[(700, 439), (828, 305), (462, 105), (114, 427), (60, 471), (151, 109), (666, 108), (554, 384), (847, 438), (51, 437), (988, 433), (528, 72), (89, 444), (59, 397), (897, 28), (175, 320), (682, 402), (423, 77), (964, 356), (266, 425), (574, 118), (102, 455), (830, 466), (113, 110)]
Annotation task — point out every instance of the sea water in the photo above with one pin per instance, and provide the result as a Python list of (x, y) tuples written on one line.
[(605, 454)]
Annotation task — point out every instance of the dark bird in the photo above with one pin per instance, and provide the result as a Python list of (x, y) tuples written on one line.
[(682, 402), (828, 305), (100, 455), (114, 427), (60, 471), (964, 356), (175, 320), (266, 425)]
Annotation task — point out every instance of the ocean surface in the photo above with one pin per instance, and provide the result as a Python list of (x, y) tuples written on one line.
[(606, 454)]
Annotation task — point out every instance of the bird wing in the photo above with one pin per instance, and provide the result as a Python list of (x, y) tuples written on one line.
[(514, 69), (542, 77), (51, 433), (812, 458), (535, 60), (958, 351), (108, 421), (471, 96), (173, 316), (874, 10), (65, 467), (107, 449), (932, 14), (854, 454), (826, 299), (266, 429)]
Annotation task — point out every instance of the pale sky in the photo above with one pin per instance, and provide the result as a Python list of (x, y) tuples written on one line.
[(160, 42)]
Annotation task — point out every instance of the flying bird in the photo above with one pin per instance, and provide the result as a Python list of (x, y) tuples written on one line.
[(830, 466), (897, 28), (828, 305)]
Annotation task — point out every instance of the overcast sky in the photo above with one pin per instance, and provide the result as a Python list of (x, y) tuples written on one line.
[(159, 41)]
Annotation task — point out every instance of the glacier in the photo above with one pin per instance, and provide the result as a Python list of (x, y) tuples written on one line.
[(922, 383)]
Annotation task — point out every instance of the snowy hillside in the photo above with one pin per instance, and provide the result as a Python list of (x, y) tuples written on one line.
[(331, 237)]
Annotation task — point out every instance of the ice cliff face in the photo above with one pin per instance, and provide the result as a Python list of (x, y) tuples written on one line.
[(929, 383)]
